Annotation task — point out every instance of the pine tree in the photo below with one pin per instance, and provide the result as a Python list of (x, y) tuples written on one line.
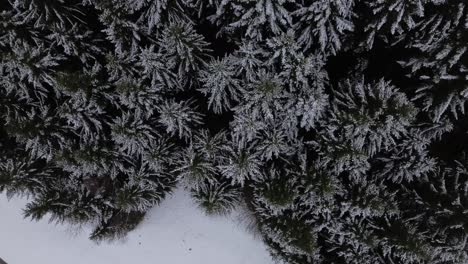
[(437, 206), (216, 198), (440, 60), (256, 19), (391, 19), (338, 124), (364, 120), (82, 118), (324, 24), (221, 84)]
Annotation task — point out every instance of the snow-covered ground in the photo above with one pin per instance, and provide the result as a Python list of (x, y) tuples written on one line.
[(173, 233)]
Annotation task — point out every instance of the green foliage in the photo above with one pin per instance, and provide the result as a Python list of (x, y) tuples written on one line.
[(216, 198)]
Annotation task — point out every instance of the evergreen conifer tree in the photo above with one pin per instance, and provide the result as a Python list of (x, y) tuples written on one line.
[(339, 124)]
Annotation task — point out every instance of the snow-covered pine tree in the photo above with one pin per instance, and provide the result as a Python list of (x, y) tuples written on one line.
[(254, 19), (364, 119), (80, 115), (390, 19), (289, 223), (281, 107), (439, 60), (437, 203), (324, 24)]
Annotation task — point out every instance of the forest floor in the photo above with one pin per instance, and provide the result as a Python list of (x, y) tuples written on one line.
[(176, 232)]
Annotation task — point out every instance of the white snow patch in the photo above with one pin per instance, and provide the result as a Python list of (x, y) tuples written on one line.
[(176, 232)]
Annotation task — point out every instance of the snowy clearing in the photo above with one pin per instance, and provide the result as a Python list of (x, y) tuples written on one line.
[(173, 233)]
